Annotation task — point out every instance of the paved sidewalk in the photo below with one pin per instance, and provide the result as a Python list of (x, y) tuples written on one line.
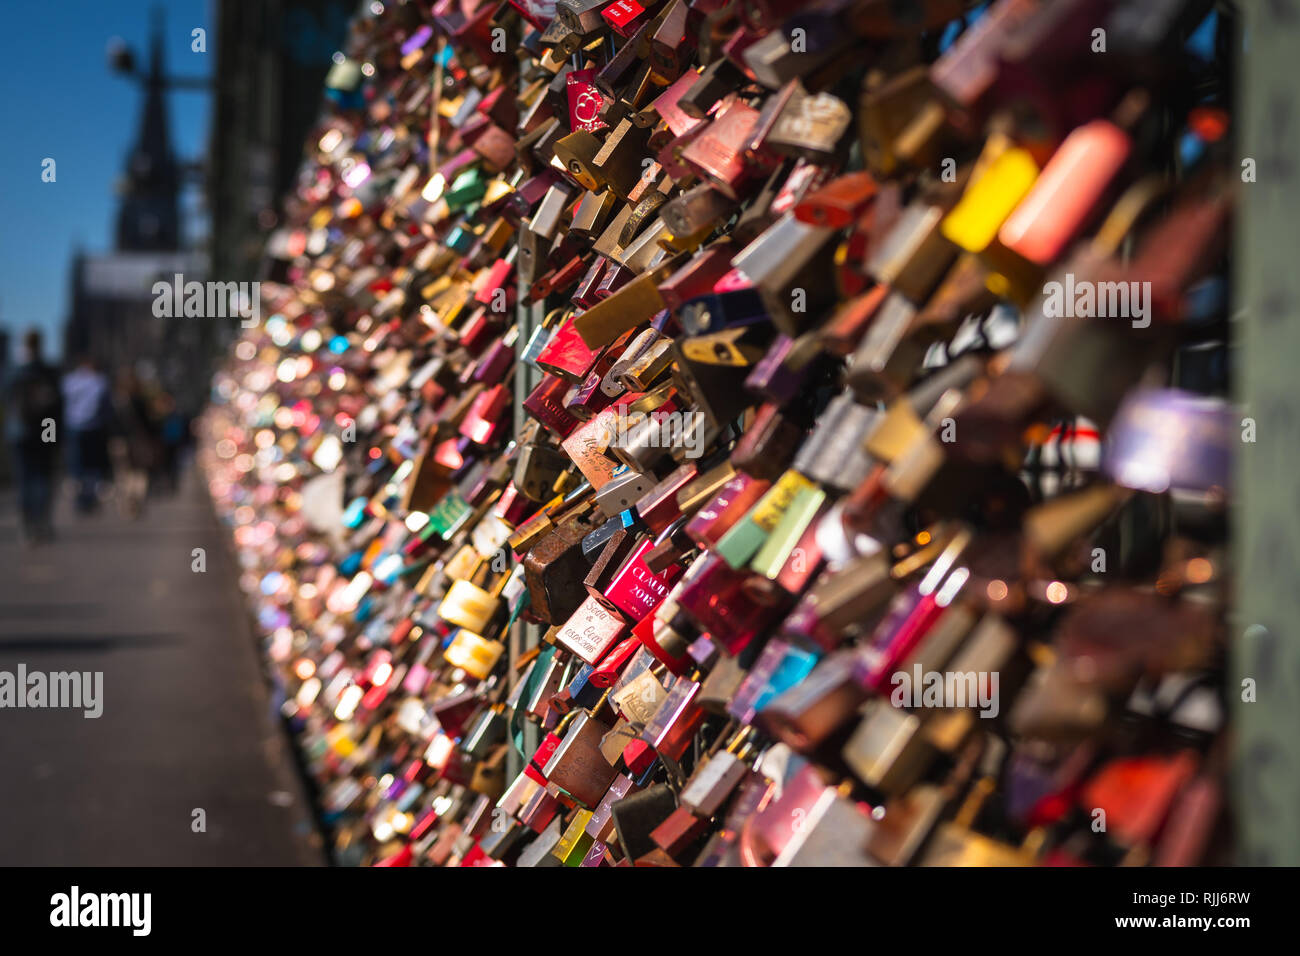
[(186, 721)]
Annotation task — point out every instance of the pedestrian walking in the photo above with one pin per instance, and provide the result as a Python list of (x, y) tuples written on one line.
[(135, 446), (87, 410), (33, 407), (173, 434)]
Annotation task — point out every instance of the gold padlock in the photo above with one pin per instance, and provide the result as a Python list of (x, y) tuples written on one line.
[(473, 653)]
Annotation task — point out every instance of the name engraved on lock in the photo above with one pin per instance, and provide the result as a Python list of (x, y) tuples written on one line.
[(553, 409), (591, 631), (640, 698), (649, 587), (646, 592), (637, 591), (621, 12), (586, 447)]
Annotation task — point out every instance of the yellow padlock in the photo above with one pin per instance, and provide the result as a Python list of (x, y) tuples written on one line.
[(474, 653)]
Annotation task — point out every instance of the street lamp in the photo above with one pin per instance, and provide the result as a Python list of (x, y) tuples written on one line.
[(123, 61)]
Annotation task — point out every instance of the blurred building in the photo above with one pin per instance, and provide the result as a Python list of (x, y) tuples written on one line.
[(111, 302), (270, 63), (272, 58)]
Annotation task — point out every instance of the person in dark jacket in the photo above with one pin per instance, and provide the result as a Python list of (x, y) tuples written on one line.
[(33, 408)]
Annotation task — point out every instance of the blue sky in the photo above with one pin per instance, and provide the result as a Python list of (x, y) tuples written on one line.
[(62, 101)]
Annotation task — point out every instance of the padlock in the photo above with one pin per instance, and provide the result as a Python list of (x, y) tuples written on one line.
[(658, 507), (834, 454), (636, 815), (743, 539), (591, 630), (714, 596), (638, 700), (670, 731), (957, 844), (633, 588), (554, 568), (838, 203), (574, 844), (913, 254), (469, 606), (624, 490), (577, 766), (616, 547), (715, 779), (765, 450), (717, 153), (536, 470), (791, 265), (601, 824), (804, 124)]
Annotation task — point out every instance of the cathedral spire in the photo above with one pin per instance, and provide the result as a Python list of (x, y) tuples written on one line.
[(149, 218)]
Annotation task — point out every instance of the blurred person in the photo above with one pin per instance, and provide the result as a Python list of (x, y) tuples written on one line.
[(87, 409), (134, 447), (33, 407), (173, 432)]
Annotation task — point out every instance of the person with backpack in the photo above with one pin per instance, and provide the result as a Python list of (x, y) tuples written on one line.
[(33, 408)]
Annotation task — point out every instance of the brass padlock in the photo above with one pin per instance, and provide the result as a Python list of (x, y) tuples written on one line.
[(554, 568)]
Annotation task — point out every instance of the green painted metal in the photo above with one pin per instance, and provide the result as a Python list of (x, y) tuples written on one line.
[(1266, 521)]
